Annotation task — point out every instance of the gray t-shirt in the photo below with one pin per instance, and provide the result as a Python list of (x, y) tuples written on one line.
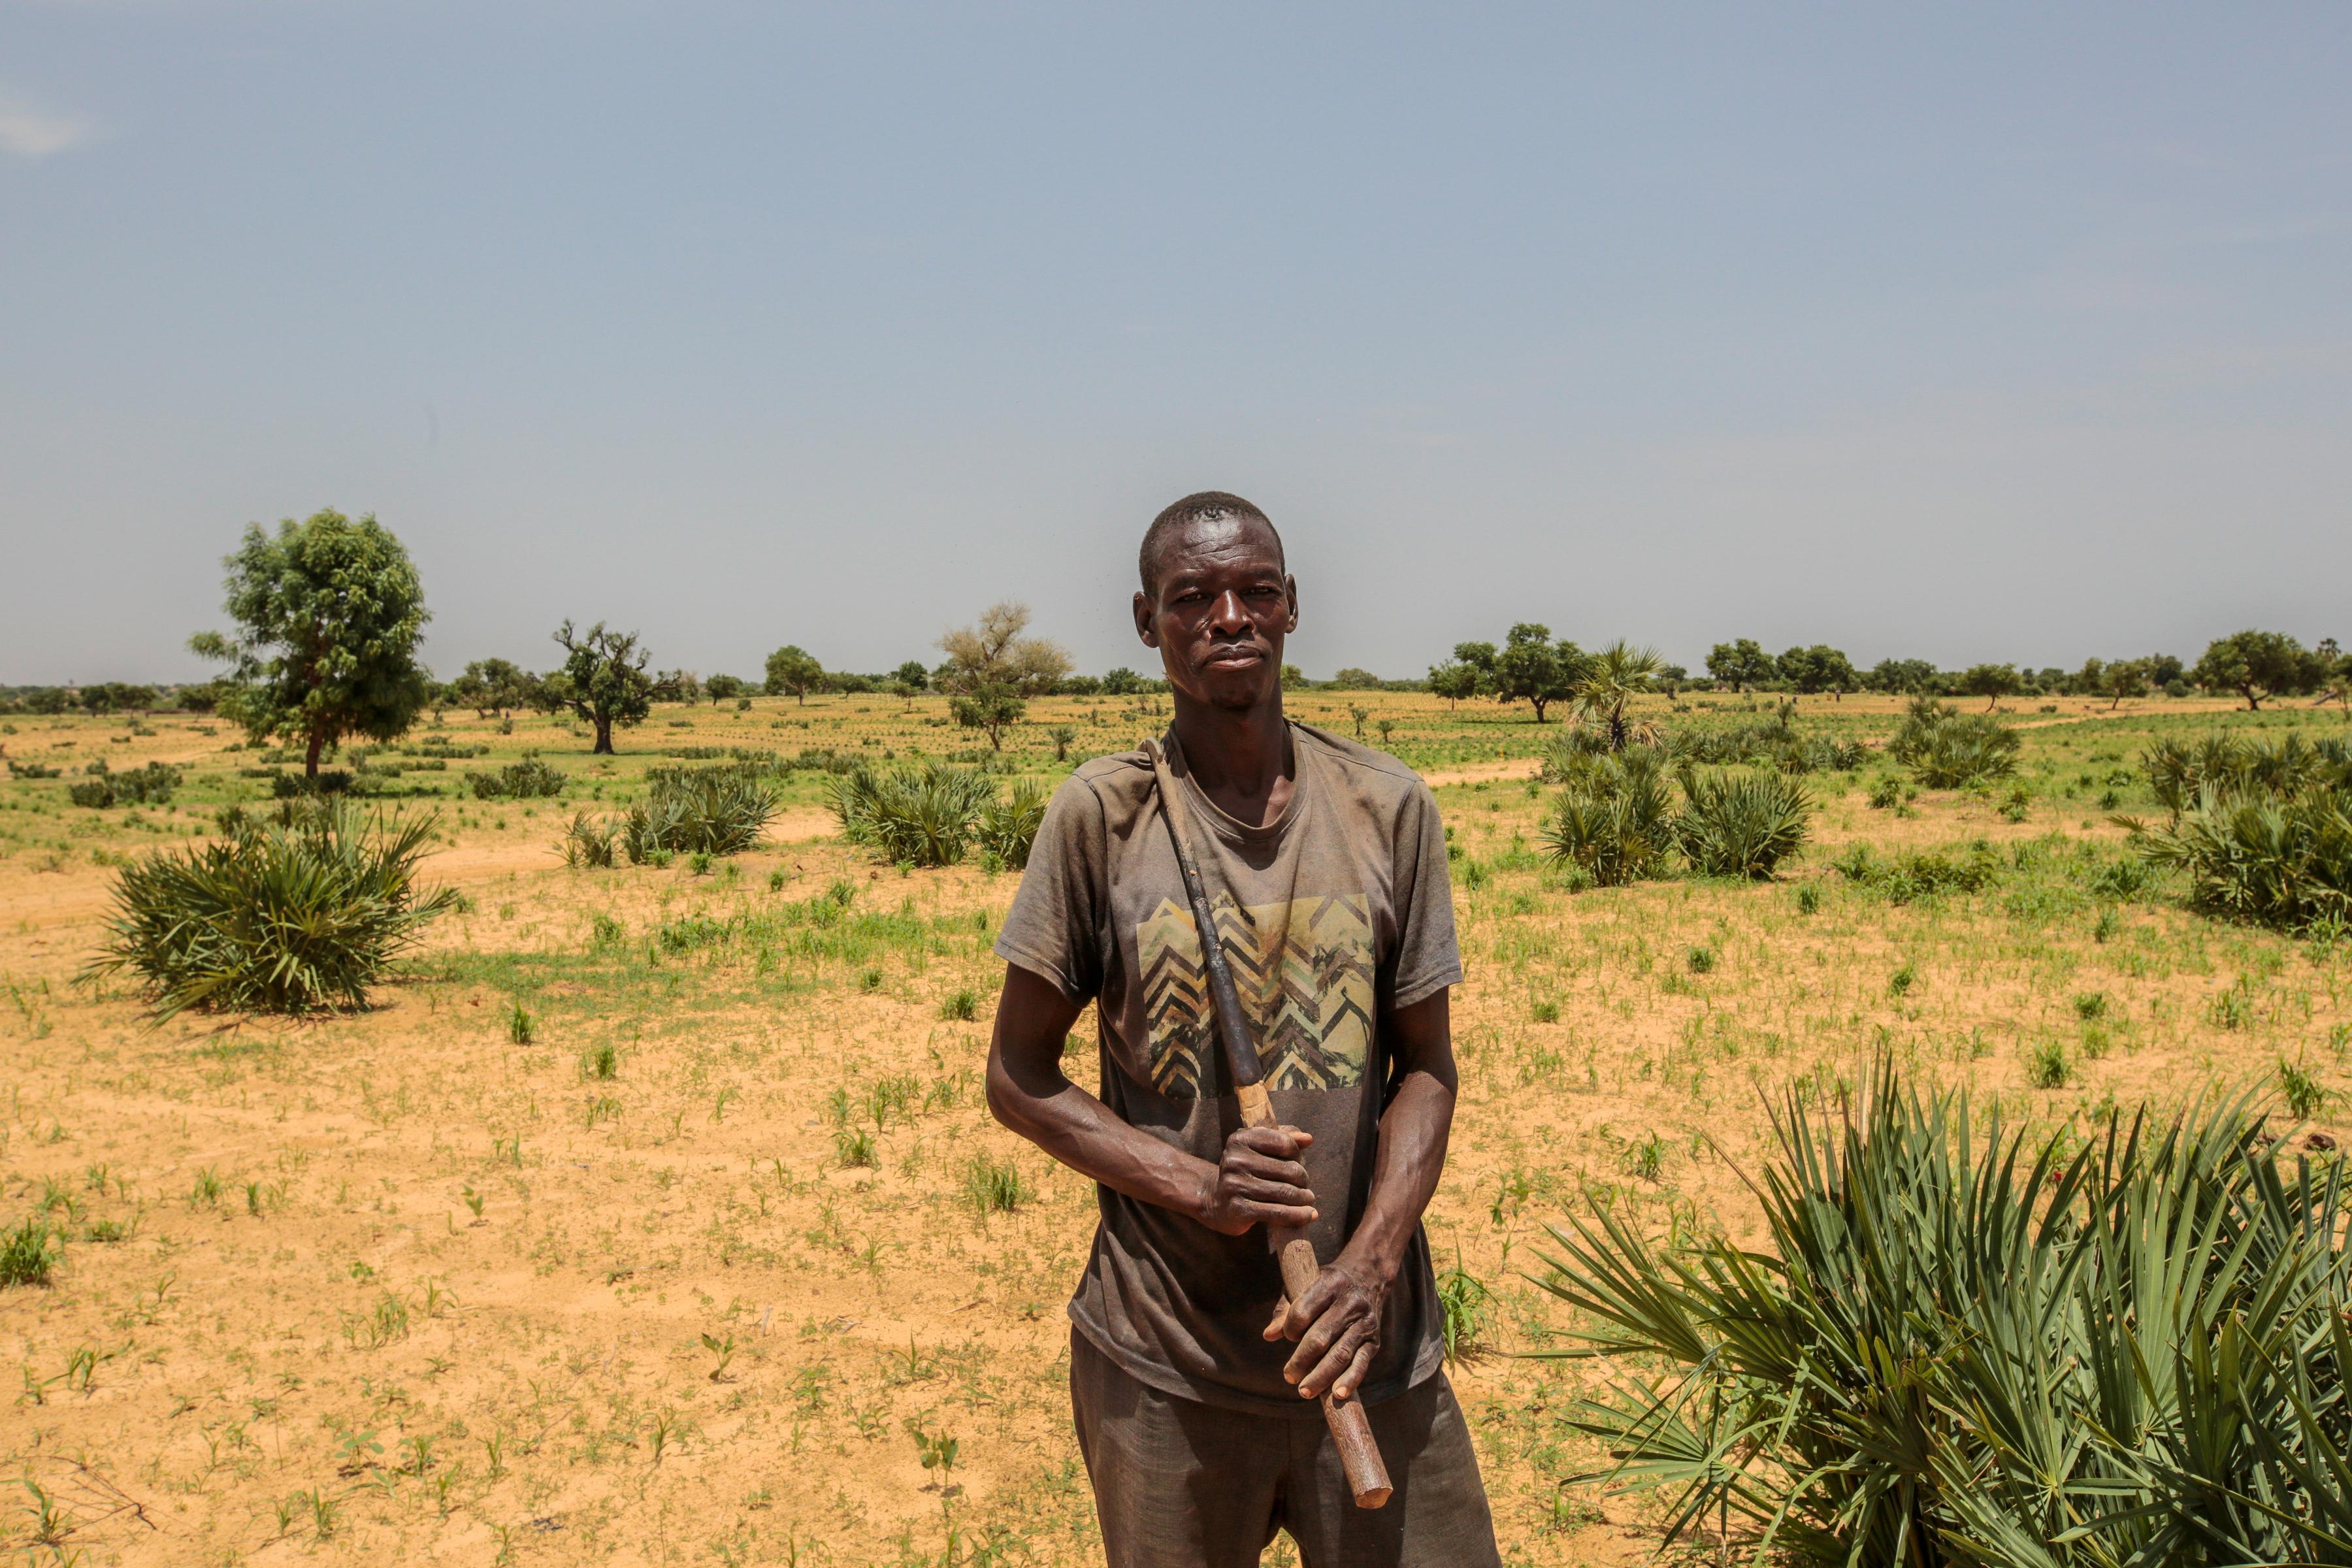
[(1333, 916)]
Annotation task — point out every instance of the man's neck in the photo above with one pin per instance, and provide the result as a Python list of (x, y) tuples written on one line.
[(1241, 760)]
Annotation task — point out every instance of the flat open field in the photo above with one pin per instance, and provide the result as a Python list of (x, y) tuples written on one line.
[(397, 1288)]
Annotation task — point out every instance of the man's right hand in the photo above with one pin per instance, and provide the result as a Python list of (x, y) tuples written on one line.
[(1259, 1181)]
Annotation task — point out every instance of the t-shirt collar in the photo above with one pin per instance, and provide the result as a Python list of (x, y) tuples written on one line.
[(1223, 823)]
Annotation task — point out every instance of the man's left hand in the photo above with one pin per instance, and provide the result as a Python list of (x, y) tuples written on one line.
[(1338, 1326)]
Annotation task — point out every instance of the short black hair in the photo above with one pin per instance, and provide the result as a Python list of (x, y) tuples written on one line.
[(1205, 506)]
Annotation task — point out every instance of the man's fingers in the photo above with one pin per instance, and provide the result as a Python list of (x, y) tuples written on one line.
[(1352, 1379), (1358, 1343), (1282, 1217), (1261, 1190), (1273, 1324), (1282, 1143)]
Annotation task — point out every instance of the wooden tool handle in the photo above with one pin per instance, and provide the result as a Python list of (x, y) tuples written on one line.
[(1351, 1430)]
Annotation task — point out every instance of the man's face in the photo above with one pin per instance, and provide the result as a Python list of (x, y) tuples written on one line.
[(1225, 605)]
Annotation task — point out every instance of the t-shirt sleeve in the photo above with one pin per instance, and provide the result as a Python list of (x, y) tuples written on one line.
[(1427, 959), (1058, 912)]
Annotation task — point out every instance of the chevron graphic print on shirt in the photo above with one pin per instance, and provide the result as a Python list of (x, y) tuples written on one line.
[(1304, 971)]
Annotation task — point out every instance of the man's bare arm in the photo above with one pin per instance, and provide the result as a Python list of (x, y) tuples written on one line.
[(1337, 1322), (1258, 1181)]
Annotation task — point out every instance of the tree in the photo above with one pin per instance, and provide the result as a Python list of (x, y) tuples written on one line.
[(676, 686), (1534, 669), (2257, 665), (1901, 676), (1354, 679), (2124, 677), (1122, 682), (1740, 665), (913, 673), (995, 652), (1608, 683), (1818, 669), (328, 613), (793, 671), (1293, 677), (494, 686), (1453, 680), (721, 687), (990, 706), (603, 680), (1481, 658), (1993, 681), (118, 696)]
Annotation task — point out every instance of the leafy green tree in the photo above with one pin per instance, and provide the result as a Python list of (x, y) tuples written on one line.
[(1606, 684), (603, 680), (793, 671), (991, 706), (1481, 656), (1532, 669), (328, 613), (491, 685), (719, 687), (913, 673), (2124, 677), (1453, 680), (1903, 676), (677, 686), (1293, 677), (47, 699), (2259, 664), (1122, 682), (117, 697), (1354, 679), (202, 697), (1818, 669), (1742, 664), (1993, 681)]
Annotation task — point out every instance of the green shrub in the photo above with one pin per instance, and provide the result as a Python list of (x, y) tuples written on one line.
[(1906, 878), (1946, 749), (1613, 821), (1740, 825), (927, 817), (2285, 864), (288, 915), (994, 1186), (150, 785), (1956, 1347), (530, 779), (1008, 827), (688, 811)]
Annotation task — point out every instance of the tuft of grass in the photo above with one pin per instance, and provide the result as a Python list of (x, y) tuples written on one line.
[(2304, 1095), (1700, 960), (2047, 1065), (603, 1064), (1899, 983), (2091, 1005), (29, 1252), (1469, 1307), (961, 1006), (853, 1149), (994, 1186), (522, 1027)]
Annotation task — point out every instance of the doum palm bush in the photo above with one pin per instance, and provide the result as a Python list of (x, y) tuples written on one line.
[(1614, 817), (288, 913), (1740, 824), (688, 811), (1946, 749), (935, 815), (2254, 858), (1958, 1344)]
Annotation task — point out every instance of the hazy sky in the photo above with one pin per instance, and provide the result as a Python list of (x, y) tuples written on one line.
[(1956, 332)]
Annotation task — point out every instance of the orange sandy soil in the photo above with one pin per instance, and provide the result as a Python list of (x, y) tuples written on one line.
[(305, 1346)]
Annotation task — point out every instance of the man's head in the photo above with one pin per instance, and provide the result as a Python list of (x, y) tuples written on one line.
[(1216, 600)]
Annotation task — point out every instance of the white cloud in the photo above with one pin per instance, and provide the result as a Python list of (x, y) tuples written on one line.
[(30, 133)]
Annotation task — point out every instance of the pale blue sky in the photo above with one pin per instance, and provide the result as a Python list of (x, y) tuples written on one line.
[(1960, 332)]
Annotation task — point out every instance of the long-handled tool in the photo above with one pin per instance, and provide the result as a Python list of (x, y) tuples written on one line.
[(1351, 1431)]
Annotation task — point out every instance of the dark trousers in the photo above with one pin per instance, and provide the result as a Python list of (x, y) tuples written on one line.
[(1179, 1484)]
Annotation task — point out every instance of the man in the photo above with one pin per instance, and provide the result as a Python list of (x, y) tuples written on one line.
[(1195, 1389)]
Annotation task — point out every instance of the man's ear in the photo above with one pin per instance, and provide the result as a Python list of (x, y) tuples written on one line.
[(1290, 592), (1144, 618)]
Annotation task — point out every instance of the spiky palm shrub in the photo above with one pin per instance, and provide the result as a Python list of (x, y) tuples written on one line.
[(1614, 818), (926, 816), (699, 811), (288, 915), (1603, 693), (1956, 1347), (1741, 825), (1008, 827), (2251, 857), (2180, 772), (1946, 749), (530, 779)]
